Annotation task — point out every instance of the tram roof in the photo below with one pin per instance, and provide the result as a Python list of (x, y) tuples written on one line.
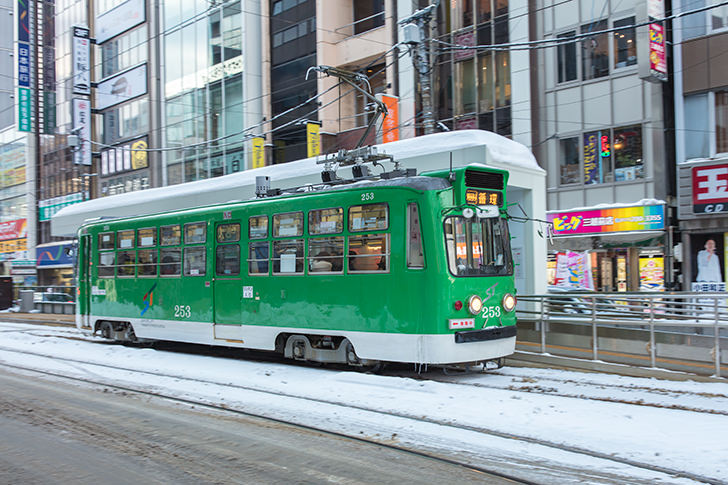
[(424, 153)]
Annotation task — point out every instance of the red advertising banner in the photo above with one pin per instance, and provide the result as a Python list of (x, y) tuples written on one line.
[(710, 188), (16, 229), (390, 125)]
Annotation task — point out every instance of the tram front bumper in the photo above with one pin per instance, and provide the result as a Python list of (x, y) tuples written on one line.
[(491, 333)]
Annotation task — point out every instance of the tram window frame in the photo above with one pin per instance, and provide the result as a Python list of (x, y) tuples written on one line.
[(126, 269), (104, 268), (142, 239), (356, 261), (320, 214), (362, 226), (104, 244), (256, 234), (144, 267), (200, 238), (225, 261), (170, 240), (164, 266), (252, 246), (415, 242), (123, 236), (187, 261), (224, 240), (298, 260), (298, 218), (329, 263)]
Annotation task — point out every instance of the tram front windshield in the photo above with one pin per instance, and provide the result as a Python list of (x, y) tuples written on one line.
[(478, 247)]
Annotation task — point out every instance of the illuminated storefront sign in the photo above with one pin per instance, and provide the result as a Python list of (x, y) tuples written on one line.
[(613, 219), (710, 189)]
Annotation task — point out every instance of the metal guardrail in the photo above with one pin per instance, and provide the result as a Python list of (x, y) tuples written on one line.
[(664, 321)]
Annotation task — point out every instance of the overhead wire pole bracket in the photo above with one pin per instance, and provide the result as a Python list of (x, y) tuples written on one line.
[(354, 80)]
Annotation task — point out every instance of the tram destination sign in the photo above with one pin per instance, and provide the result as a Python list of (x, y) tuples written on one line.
[(710, 188), (483, 197)]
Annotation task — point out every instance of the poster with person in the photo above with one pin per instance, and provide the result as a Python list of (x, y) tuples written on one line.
[(709, 262)]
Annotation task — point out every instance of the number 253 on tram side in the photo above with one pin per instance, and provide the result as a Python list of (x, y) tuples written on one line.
[(414, 269)]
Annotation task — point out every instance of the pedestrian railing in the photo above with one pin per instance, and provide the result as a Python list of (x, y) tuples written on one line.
[(685, 331)]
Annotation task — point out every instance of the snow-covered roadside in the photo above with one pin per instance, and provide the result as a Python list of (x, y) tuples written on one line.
[(674, 439)]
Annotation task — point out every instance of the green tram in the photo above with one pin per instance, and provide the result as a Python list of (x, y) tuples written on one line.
[(407, 268)]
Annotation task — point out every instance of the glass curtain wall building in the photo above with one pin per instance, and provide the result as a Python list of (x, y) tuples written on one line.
[(203, 110)]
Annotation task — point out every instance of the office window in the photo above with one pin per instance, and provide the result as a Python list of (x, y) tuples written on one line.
[(566, 58), (569, 160), (721, 121), (628, 162), (625, 44), (595, 51)]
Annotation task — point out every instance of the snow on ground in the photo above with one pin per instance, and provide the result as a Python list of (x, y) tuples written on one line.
[(669, 438)]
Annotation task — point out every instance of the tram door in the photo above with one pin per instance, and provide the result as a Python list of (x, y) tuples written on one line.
[(227, 284), (83, 279)]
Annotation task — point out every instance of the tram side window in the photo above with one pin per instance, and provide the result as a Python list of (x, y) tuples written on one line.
[(258, 227), (288, 225), (288, 256), (125, 262), (106, 240), (326, 255), (369, 253), (415, 251), (147, 265), (169, 235), (258, 258), (227, 260), (106, 265), (171, 259), (195, 233), (227, 233), (369, 217), (125, 239), (194, 261), (147, 237), (326, 221)]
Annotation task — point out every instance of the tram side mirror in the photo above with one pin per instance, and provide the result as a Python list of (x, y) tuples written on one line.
[(488, 211)]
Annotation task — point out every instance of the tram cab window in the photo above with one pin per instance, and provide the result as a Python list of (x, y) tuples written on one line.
[(369, 217), (170, 262), (326, 255), (326, 221), (106, 264), (369, 253), (227, 260), (125, 239), (478, 247), (147, 237), (170, 235), (258, 258), (288, 256), (125, 263), (258, 227), (195, 233), (106, 241), (288, 225), (194, 261), (147, 265)]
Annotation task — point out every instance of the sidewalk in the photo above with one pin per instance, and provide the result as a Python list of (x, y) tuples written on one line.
[(18, 317)]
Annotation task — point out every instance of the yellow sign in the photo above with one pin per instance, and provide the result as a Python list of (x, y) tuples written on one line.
[(13, 245), (313, 137), (139, 157), (258, 152)]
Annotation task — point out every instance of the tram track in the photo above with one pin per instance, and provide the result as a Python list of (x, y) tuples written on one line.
[(100, 381)]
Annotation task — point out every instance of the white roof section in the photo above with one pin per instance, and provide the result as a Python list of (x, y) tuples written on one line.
[(424, 153)]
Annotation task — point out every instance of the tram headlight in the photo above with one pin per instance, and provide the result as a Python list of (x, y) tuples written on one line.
[(509, 302), (475, 304)]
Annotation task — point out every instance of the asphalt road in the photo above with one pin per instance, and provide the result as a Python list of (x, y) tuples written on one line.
[(55, 432)]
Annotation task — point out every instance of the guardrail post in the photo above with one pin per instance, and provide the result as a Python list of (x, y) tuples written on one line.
[(595, 352), (652, 332), (543, 325), (717, 336)]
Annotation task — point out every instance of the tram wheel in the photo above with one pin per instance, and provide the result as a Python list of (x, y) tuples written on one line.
[(106, 330)]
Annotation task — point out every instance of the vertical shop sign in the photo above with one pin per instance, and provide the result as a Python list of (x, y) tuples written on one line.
[(81, 56), (652, 274), (49, 116), (23, 21), (651, 55), (573, 270), (258, 152), (710, 189), (24, 109), (23, 64), (592, 172), (82, 126), (390, 125), (313, 138)]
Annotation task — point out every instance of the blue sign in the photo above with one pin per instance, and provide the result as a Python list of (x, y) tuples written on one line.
[(23, 65), (23, 21), (56, 255)]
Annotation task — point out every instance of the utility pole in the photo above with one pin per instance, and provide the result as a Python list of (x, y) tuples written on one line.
[(416, 33)]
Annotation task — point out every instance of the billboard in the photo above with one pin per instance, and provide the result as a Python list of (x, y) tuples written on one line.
[(132, 155), (119, 19), (710, 188), (82, 126), (709, 257), (612, 219), (122, 87), (390, 124)]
